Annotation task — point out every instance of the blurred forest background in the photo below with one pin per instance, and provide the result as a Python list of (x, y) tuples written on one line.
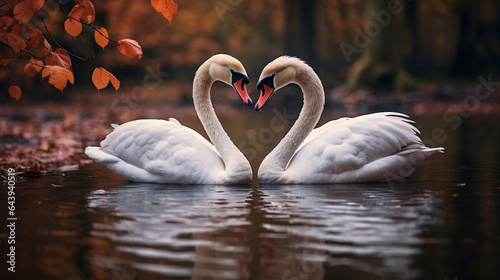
[(365, 44)]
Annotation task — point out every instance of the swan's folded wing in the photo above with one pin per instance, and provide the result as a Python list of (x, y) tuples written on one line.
[(342, 146), (164, 148)]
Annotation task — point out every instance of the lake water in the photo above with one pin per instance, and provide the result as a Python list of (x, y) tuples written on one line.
[(441, 223)]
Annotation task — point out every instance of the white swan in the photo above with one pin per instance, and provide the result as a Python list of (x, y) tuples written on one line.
[(369, 148), (159, 151)]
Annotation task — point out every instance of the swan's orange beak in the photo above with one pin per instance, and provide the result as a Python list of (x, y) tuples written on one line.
[(241, 89), (266, 87), (267, 91)]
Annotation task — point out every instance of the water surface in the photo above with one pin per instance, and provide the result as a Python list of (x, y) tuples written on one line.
[(441, 223)]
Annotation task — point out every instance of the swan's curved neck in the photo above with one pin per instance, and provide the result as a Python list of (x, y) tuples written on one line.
[(314, 99), (234, 161)]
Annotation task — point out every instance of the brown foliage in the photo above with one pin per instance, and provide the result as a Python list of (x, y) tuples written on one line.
[(19, 34)]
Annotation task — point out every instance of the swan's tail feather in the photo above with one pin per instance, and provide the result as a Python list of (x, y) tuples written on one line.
[(100, 156)]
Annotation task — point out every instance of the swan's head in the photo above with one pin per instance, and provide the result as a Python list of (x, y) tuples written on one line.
[(277, 74), (227, 69)]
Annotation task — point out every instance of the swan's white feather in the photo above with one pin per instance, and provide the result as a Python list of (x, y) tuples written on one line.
[(159, 151), (375, 147)]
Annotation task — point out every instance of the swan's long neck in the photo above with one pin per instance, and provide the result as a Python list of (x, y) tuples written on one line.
[(235, 162), (314, 98)]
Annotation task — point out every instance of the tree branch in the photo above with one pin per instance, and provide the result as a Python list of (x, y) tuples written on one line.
[(57, 43)]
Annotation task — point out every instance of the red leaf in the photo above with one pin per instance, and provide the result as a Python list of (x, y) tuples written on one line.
[(24, 11), (6, 21), (16, 29), (58, 76), (59, 57), (130, 48), (14, 41), (168, 8), (4, 60), (34, 37), (33, 66), (15, 92)]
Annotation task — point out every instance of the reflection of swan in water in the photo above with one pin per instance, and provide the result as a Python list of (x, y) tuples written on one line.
[(369, 229), (274, 232), (182, 230)]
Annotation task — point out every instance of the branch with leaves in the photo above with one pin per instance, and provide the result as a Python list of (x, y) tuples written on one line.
[(22, 39)]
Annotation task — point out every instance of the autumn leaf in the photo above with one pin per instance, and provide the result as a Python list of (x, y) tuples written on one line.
[(101, 36), (14, 41), (33, 66), (6, 21), (58, 76), (59, 57), (16, 29), (47, 48), (34, 37), (168, 8), (4, 60), (101, 78), (84, 9), (24, 11), (15, 92), (73, 27), (130, 48)]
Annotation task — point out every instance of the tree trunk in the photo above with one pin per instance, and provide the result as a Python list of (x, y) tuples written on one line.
[(379, 65), (300, 29), (411, 13), (464, 62)]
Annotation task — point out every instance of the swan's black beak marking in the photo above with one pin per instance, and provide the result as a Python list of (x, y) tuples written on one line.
[(239, 82), (266, 87)]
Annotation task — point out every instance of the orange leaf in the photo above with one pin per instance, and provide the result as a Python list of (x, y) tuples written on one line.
[(6, 21), (34, 37), (114, 82), (84, 9), (33, 66), (59, 57), (168, 8), (130, 48), (58, 76), (101, 36), (73, 27), (15, 92), (101, 78), (47, 48)]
